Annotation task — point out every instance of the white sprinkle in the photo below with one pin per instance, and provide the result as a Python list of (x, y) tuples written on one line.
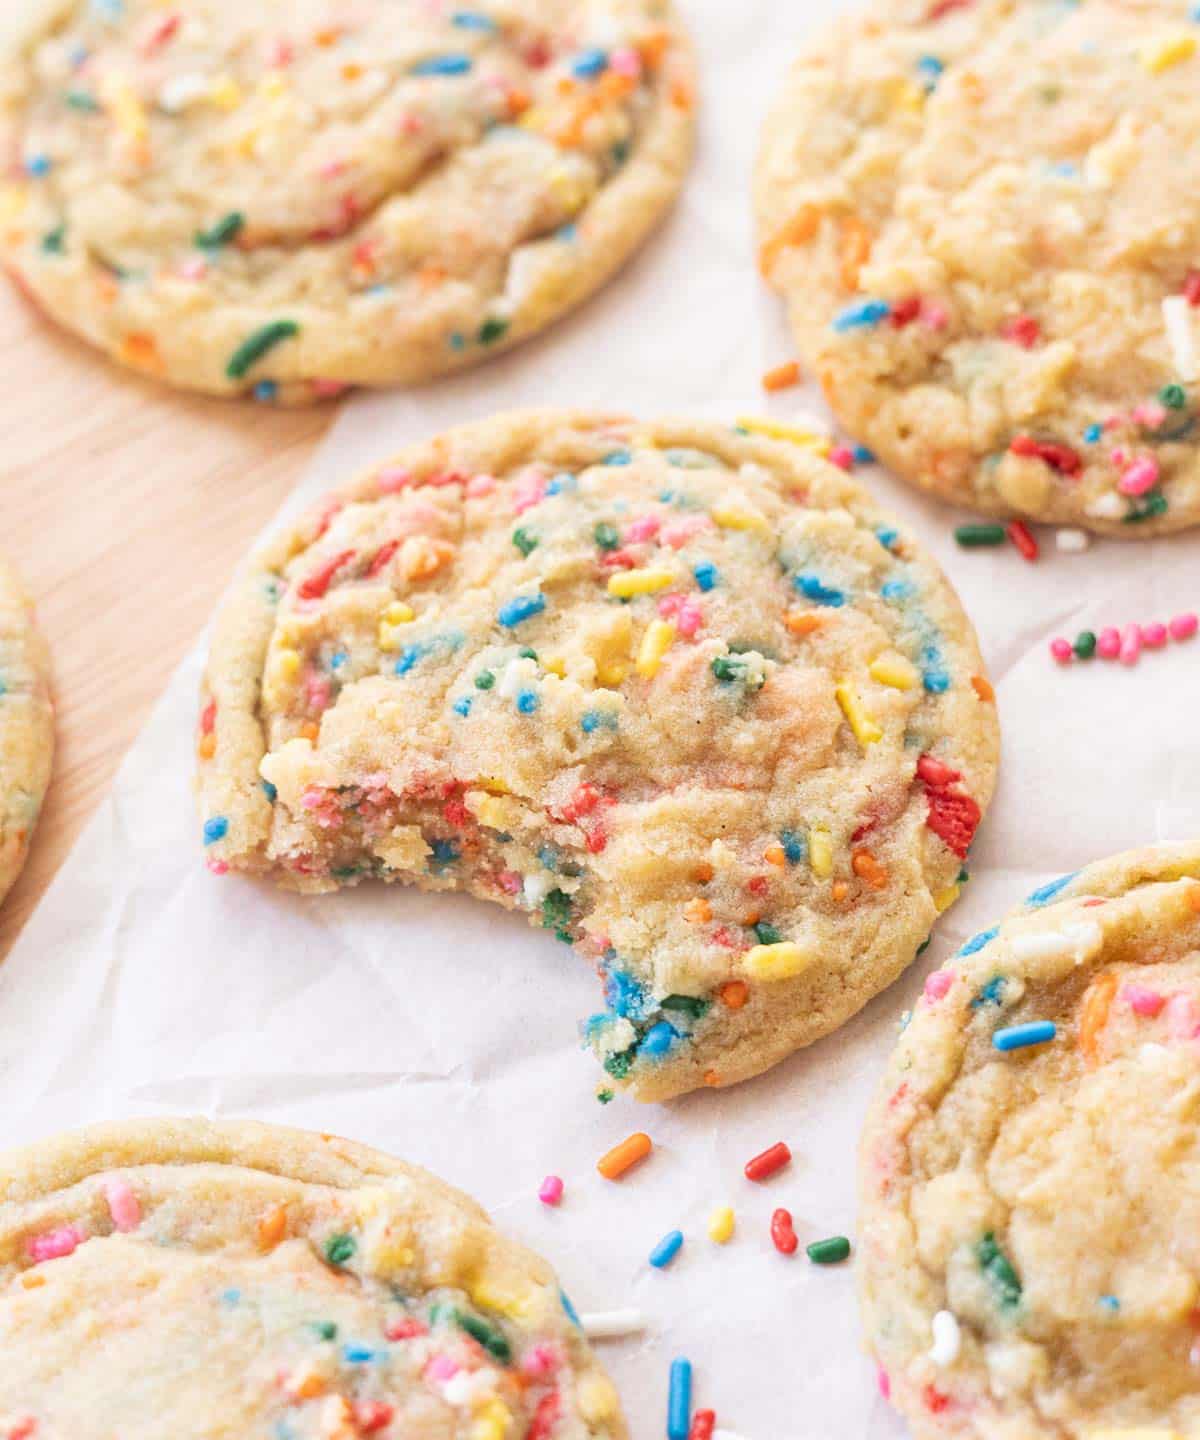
[(1177, 316), (1109, 506), (947, 1339), (612, 1324), (180, 91), (517, 674), (1073, 542), (536, 888), (469, 1387), (1076, 941)]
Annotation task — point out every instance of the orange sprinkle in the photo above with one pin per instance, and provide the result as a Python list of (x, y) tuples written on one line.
[(983, 688), (429, 277), (309, 1387), (775, 855), (139, 349), (612, 86), (681, 94), (654, 47), (310, 730), (207, 747), (518, 101), (702, 873), (698, 911), (1193, 897), (734, 994), (802, 622), (854, 250), (711, 1078), (783, 376), (751, 917), (840, 890), (33, 1281), (1094, 1015), (867, 868), (625, 1156), (326, 38), (352, 71), (272, 1227), (799, 230)]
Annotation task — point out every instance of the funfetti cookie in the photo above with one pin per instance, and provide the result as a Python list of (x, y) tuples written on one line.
[(985, 218), (1029, 1259), (26, 726), (241, 196), (678, 692), (201, 1280)]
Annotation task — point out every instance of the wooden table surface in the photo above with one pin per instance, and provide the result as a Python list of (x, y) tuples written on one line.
[(125, 507)]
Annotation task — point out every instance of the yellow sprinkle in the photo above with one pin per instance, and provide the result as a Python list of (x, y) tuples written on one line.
[(225, 93), (1163, 51), (720, 1226), (945, 898), (627, 583), (909, 96), (776, 962), (534, 118), (287, 663), (397, 613), (611, 675), (597, 1398), (732, 517), (272, 86), (391, 1255), (866, 732), (555, 665), (494, 785), (503, 1302), (894, 670), (128, 112), (492, 812), (794, 434), (658, 639), (820, 853), (492, 1422), (13, 199)]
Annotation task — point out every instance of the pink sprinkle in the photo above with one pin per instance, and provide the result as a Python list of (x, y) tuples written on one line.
[(510, 882), (329, 389), (1154, 637), (842, 456), (332, 168), (1142, 1000), (56, 1244), (195, 268), (1152, 415), (318, 691), (1062, 651), (218, 867), (685, 611), (480, 485), (885, 1383), (1131, 645), (1141, 477), (551, 1191), (934, 314), (1183, 1021), (644, 529), (393, 478), (679, 532), (542, 1360), (407, 1329), (1184, 627), (1108, 646), (123, 1204), (937, 985), (442, 1367), (625, 61)]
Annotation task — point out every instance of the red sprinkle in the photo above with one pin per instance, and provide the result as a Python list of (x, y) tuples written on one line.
[(405, 1330), (769, 1163), (782, 1233), (943, 8), (1022, 330), (319, 581), (936, 772), (1060, 458), (905, 312), (545, 1417), (934, 1400), (382, 556), (1191, 287), (953, 817), (372, 1415), (208, 718), (703, 1424), (1022, 537)]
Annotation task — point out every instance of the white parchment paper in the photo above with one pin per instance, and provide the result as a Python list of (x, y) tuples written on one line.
[(444, 1030)]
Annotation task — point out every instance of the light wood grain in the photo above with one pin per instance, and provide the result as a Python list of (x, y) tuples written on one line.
[(125, 507)]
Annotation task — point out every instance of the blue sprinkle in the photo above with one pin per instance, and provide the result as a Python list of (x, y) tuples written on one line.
[(1017, 1037), (991, 994), (937, 682), (625, 996), (230, 1297), (269, 791), (1110, 1303), (590, 63), (462, 706), (863, 456), (795, 846), (549, 857), (594, 720), (812, 589), (527, 701), (520, 608), (443, 65), (37, 166), (1093, 434), (679, 1403), (359, 1354), (215, 829), (266, 391), (567, 233), (108, 9), (445, 852), (666, 1250), (898, 590), (473, 20), (408, 658), (658, 1039), (569, 1310), (887, 538), (706, 575), (338, 659), (863, 316), (979, 942), (618, 457), (931, 68), (1048, 892), (457, 341)]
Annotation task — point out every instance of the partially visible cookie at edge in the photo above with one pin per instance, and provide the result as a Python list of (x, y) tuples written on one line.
[(1030, 1171), (26, 726), (983, 218), (241, 198), (678, 692)]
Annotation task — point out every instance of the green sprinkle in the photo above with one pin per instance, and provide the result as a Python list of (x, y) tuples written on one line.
[(492, 1340), (605, 1097), (325, 1330), (339, 1248), (1174, 397), (725, 669), (52, 241), (255, 346), (526, 653), (687, 1005), (1085, 644), (225, 230), (996, 1266), (484, 680), (492, 330), (974, 537), (556, 912), (606, 536), (81, 100), (618, 1065), (829, 1252), (1150, 509), (767, 934), (524, 541)]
